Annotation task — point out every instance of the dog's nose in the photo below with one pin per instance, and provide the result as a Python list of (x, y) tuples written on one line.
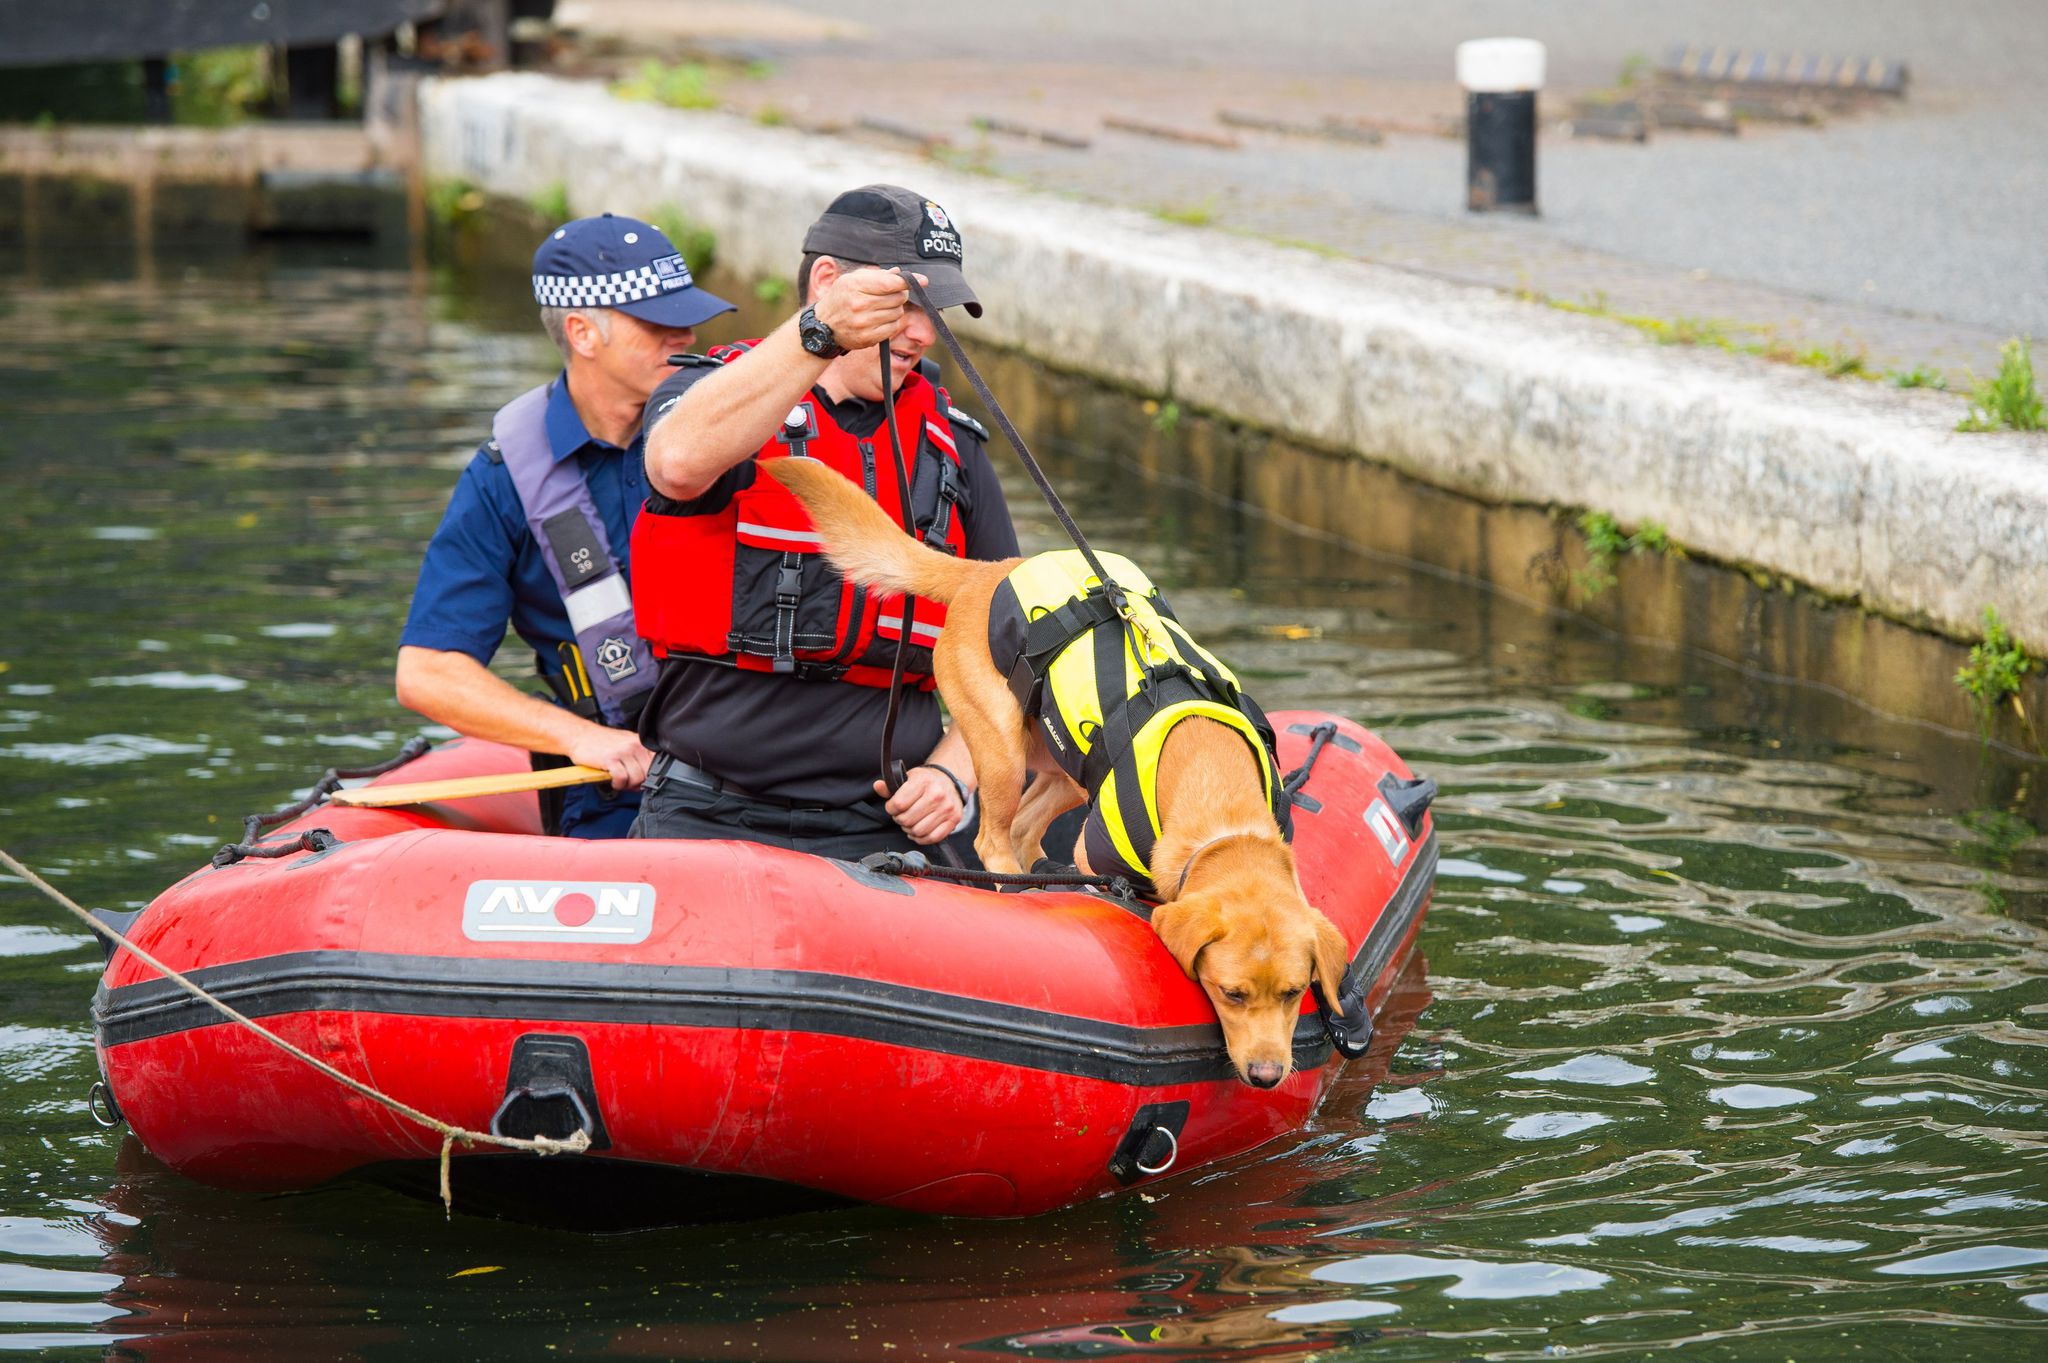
[(1265, 1073)]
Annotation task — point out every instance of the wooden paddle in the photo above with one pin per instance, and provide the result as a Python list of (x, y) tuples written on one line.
[(466, 787)]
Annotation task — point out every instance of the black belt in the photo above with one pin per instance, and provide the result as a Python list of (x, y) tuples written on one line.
[(667, 767)]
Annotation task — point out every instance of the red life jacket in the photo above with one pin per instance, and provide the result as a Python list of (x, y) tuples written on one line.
[(747, 584)]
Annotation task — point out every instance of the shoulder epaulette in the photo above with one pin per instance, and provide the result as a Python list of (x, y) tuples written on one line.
[(491, 452), (960, 418)]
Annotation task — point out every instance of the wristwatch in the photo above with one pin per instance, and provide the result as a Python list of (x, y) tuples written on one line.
[(817, 337)]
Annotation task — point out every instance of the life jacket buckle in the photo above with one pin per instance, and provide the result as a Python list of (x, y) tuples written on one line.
[(789, 581)]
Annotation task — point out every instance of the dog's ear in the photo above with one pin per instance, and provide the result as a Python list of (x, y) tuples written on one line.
[(1332, 959), (1186, 926)]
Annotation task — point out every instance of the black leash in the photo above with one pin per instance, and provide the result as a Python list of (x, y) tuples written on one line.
[(1110, 588), (894, 774)]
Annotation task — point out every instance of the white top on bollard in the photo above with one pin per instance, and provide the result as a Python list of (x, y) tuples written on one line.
[(1498, 66)]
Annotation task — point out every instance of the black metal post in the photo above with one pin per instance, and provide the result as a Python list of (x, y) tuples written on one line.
[(1501, 77)]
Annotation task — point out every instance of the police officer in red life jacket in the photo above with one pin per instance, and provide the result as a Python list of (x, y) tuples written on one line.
[(768, 713), (538, 531)]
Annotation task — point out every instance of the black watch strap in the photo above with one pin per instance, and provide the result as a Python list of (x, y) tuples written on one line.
[(817, 336)]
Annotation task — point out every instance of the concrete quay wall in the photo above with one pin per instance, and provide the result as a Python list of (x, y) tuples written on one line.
[(1855, 489)]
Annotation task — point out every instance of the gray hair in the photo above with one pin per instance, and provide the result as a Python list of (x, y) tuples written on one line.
[(556, 321)]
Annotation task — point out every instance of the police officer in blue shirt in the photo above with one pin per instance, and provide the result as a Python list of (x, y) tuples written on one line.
[(539, 530)]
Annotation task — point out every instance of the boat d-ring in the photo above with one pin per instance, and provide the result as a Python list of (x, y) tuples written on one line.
[(1172, 1152), (100, 1105), (1148, 1124)]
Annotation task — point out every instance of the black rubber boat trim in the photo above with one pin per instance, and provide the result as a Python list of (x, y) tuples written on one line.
[(743, 999)]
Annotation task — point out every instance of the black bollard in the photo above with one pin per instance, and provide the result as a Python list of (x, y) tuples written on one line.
[(1501, 77)]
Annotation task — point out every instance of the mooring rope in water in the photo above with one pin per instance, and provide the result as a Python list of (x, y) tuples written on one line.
[(574, 1144)]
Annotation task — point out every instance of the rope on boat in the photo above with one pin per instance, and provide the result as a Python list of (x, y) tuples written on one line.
[(574, 1144)]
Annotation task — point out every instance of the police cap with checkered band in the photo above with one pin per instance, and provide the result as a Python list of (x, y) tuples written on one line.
[(889, 225), (622, 263)]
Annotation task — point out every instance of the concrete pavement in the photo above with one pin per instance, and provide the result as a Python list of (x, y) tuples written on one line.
[(1855, 489), (1909, 234)]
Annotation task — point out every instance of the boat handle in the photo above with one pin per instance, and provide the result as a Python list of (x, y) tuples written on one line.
[(542, 1093), (1172, 1153)]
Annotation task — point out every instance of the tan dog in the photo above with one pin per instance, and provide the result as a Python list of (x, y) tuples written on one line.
[(1232, 912)]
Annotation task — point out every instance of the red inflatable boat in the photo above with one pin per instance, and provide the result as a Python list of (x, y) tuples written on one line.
[(720, 1007)]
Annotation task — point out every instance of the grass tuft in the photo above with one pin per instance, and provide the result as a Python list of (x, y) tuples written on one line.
[(2009, 402), (1919, 376), (683, 85), (1606, 542), (1996, 667), (1188, 215)]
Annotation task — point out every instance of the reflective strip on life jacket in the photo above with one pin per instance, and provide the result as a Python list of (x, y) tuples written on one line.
[(920, 632), (802, 539), (578, 554)]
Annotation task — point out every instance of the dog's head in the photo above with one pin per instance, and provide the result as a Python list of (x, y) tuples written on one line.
[(1255, 948)]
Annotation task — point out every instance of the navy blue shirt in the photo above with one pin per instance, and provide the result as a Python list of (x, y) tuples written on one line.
[(483, 569)]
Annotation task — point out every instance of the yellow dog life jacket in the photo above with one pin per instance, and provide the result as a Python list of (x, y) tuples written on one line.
[(1105, 692)]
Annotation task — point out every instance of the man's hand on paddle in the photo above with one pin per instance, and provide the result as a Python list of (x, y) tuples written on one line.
[(618, 751), (865, 307), (926, 806)]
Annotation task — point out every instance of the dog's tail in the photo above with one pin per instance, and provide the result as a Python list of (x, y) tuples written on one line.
[(859, 537)]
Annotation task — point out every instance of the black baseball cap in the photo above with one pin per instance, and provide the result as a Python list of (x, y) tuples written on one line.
[(889, 225), (623, 263)]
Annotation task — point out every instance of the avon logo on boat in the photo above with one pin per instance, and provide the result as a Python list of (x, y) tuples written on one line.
[(619, 911)]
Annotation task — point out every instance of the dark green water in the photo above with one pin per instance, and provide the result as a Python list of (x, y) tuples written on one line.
[(1731, 1031)]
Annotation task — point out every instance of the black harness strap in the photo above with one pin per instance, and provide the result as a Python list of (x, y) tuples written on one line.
[(1047, 635), (1170, 685)]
